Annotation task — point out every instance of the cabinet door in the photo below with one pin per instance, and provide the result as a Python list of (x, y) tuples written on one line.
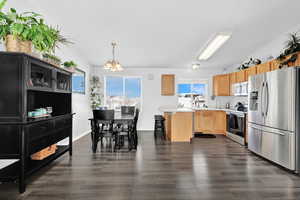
[(203, 121), (40, 76), (63, 81), (210, 121), (232, 80), (168, 118), (168, 84), (219, 120), (221, 85), (265, 67), (274, 65), (240, 76), (297, 62), (250, 72)]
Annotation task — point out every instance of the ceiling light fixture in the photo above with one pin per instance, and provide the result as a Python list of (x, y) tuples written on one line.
[(113, 65), (214, 45), (195, 66)]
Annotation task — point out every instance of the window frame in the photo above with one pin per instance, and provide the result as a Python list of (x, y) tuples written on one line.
[(194, 81), (124, 77)]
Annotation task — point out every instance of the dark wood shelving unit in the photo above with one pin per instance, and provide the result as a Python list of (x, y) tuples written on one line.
[(28, 83)]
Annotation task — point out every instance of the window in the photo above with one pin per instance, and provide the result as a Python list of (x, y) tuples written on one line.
[(192, 94), (122, 91)]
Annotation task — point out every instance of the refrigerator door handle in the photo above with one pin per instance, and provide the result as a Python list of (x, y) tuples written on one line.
[(268, 98), (262, 99)]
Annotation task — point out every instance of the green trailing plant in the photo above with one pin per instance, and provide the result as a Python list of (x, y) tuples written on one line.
[(30, 26), (292, 45), (51, 57), (69, 64)]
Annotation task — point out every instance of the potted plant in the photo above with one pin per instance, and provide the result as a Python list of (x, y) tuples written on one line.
[(52, 59), (22, 31), (70, 66), (289, 53)]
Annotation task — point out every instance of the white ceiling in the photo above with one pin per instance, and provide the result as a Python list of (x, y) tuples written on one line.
[(169, 33)]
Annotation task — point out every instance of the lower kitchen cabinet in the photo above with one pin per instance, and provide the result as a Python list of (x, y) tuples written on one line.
[(210, 121), (179, 126)]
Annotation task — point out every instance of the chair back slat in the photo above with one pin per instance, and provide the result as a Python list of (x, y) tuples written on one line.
[(104, 114), (127, 110)]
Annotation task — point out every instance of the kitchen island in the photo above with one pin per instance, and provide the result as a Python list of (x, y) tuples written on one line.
[(182, 123), (179, 124)]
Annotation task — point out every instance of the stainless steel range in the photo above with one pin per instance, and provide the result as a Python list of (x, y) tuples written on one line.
[(273, 116), (236, 126)]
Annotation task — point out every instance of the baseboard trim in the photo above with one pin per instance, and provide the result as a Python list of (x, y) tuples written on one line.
[(81, 135)]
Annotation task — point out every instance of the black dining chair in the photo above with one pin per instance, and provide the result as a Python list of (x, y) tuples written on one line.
[(103, 127), (127, 110), (159, 126), (128, 130), (134, 129)]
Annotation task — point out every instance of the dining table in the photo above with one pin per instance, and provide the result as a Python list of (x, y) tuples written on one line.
[(119, 119)]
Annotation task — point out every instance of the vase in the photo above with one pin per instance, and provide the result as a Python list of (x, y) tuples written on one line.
[(25, 46), (12, 43)]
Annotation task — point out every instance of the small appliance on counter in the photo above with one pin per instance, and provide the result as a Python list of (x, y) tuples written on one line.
[(240, 107)]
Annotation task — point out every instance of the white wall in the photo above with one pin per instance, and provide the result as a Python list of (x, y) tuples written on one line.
[(80, 102), (151, 89)]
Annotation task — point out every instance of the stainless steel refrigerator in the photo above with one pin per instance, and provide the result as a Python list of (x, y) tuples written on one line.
[(273, 116)]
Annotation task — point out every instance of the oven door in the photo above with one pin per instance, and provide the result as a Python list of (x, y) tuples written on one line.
[(236, 124)]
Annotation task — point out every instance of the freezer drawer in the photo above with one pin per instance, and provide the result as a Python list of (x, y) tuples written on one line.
[(273, 144), (284, 150)]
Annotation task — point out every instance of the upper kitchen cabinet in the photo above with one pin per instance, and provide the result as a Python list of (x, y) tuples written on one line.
[(250, 72), (240, 76), (274, 65), (168, 84), (221, 85), (264, 67)]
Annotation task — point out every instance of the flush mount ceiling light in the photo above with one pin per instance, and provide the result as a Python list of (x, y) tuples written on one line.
[(214, 45), (195, 66), (113, 65)]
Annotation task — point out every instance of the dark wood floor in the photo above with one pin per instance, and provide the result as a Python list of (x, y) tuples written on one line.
[(210, 168)]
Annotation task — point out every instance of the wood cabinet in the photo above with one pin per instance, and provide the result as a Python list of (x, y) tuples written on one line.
[(210, 121), (168, 119), (264, 67), (250, 72), (240, 76), (274, 65), (179, 126), (168, 84), (232, 80), (221, 85)]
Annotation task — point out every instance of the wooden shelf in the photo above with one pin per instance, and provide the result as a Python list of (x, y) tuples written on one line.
[(10, 173)]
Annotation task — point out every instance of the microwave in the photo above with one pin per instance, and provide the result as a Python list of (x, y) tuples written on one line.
[(240, 89)]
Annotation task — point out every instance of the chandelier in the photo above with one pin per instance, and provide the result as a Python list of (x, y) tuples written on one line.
[(113, 65)]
